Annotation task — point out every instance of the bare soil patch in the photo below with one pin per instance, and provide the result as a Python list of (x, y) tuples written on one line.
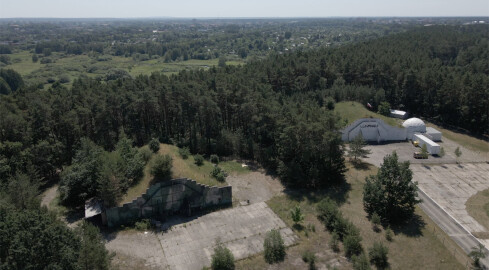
[(254, 186)]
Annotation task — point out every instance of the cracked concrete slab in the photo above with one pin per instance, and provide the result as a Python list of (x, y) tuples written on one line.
[(451, 185), (189, 244)]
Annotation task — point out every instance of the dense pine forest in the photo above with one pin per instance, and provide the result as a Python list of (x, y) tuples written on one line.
[(277, 111)]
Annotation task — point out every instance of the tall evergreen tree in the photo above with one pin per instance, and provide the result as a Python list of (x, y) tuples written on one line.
[(391, 193)]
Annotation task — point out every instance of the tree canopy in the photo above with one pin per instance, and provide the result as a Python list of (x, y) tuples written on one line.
[(391, 193)]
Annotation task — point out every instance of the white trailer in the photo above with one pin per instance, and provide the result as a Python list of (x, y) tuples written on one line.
[(432, 147), (433, 134)]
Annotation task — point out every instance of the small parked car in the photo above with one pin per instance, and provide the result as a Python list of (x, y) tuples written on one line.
[(420, 155)]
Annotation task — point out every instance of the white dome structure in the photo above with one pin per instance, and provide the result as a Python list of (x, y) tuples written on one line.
[(414, 125), (413, 122)]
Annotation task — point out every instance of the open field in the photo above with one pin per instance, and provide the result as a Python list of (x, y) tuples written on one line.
[(415, 245), (73, 66), (478, 207), (352, 110), (465, 140), (183, 168)]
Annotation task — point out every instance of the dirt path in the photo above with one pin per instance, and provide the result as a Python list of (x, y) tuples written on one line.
[(49, 195)]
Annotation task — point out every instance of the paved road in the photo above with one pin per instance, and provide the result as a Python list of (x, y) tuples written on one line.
[(450, 226)]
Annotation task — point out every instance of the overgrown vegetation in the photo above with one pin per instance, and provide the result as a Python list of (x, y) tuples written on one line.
[(83, 131), (274, 248), (222, 259), (161, 167), (378, 255)]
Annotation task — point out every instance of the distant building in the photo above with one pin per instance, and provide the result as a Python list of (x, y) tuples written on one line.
[(376, 130), (398, 114)]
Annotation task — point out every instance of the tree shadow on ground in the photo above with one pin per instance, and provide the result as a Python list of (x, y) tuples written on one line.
[(338, 193), (360, 165), (411, 228), (298, 227), (159, 224), (74, 215)]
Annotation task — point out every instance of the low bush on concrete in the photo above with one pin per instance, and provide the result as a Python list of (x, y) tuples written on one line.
[(142, 225), (222, 259), (274, 247)]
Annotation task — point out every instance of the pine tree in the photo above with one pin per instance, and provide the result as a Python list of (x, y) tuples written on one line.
[(296, 215), (357, 148)]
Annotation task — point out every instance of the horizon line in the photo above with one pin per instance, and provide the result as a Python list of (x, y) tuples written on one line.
[(251, 17)]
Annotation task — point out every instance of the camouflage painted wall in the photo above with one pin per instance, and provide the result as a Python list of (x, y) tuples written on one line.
[(166, 198)]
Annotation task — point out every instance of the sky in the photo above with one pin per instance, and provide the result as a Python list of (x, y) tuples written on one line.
[(239, 8)]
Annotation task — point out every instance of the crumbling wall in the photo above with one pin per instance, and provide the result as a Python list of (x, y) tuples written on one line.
[(166, 198)]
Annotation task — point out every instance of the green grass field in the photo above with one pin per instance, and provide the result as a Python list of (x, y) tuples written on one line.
[(478, 207), (73, 66), (352, 110), (465, 140)]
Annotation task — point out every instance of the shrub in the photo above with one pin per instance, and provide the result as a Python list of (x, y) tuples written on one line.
[(352, 244), (184, 152), (64, 79), (442, 152), (375, 219), (199, 160), (46, 60), (219, 174), (145, 153), (378, 255), (215, 159), (384, 108), (360, 262), (328, 212), (274, 248), (161, 167), (154, 145), (222, 259), (476, 254), (389, 234), (334, 242), (310, 258), (142, 225), (296, 214)]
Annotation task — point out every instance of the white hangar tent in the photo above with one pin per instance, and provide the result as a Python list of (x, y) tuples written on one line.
[(373, 130), (376, 130)]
